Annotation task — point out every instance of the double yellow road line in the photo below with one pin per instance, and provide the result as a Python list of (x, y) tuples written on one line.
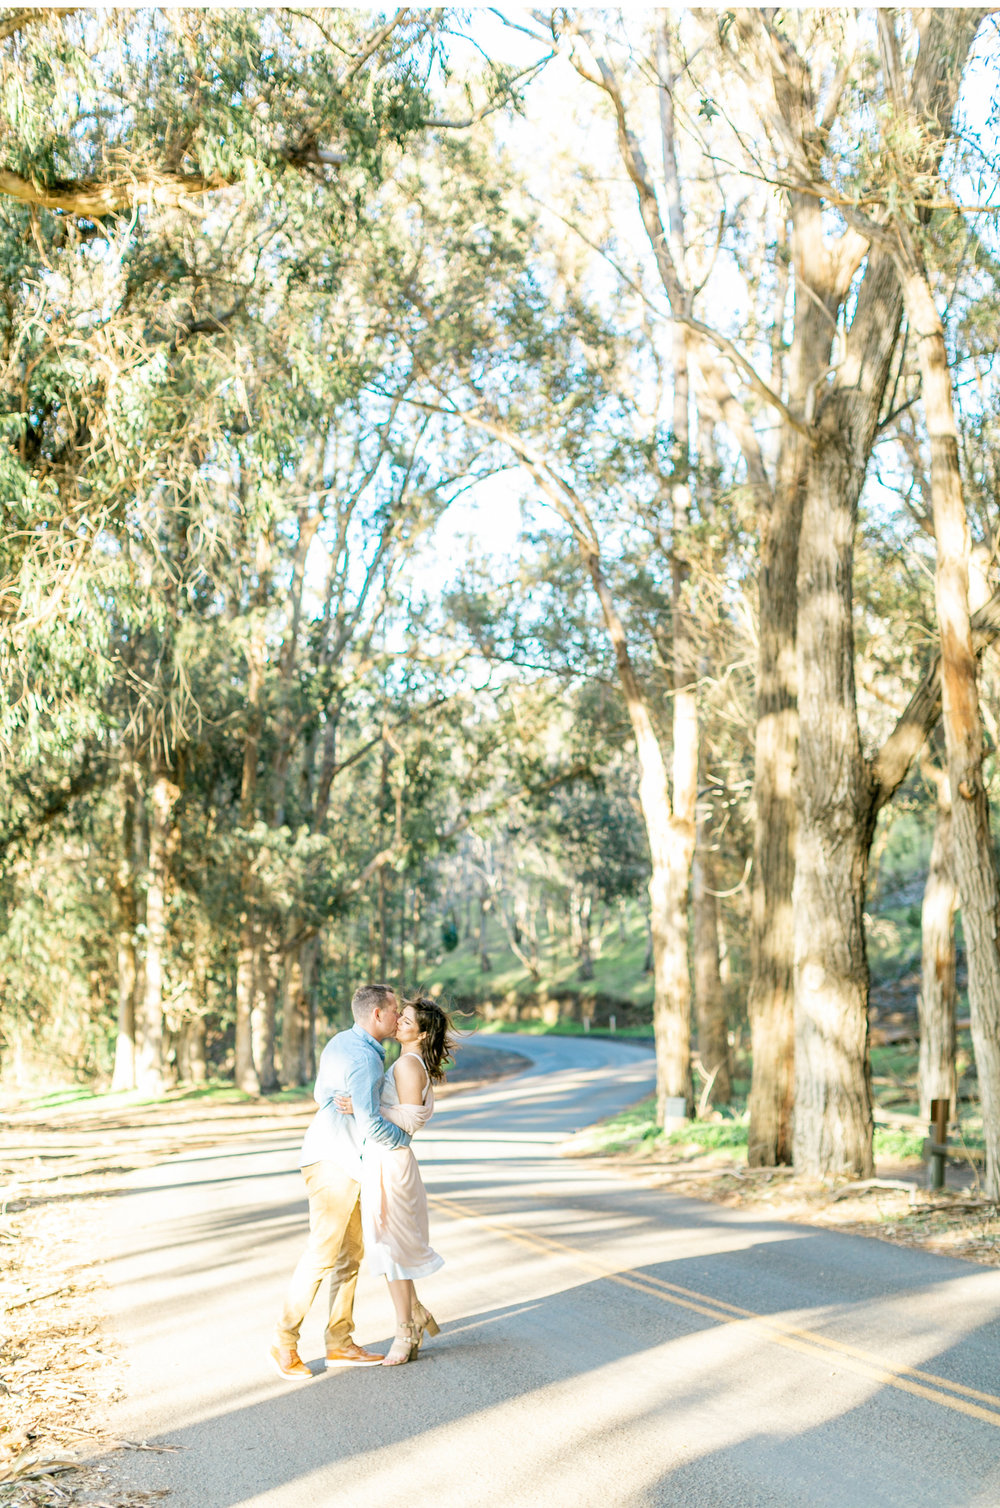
[(953, 1395)]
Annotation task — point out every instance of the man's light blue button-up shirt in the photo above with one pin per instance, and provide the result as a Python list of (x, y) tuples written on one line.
[(351, 1063)]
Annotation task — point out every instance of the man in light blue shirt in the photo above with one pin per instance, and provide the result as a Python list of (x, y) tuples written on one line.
[(352, 1063)]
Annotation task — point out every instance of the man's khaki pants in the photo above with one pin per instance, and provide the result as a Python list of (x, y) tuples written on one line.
[(335, 1248)]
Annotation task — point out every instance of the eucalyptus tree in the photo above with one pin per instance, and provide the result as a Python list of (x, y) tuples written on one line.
[(937, 1077), (643, 74), (824, 990), (913, 140), (778, 94), (579, 483), (179, 188), (363, 512)]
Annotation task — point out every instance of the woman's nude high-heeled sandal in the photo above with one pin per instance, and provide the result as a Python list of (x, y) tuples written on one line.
[(405, 1346), (425, 1320)]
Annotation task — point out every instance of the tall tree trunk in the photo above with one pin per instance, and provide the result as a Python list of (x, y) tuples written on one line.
[(936, 1073), (125, 1044), (402, 932), (192, 1066), (383, 923), (833, 1110), (485, 965), (671, 849), (838, 797), (311, 960), (192, 1061), (771, 1000), (245, 1073), (296, 1015), (418, 919), (710, 1012), (839, 792), (975, 862), (685, 729), (670, 823), (383, 873), (513, 934), (263, 1013), (843, 416), (526, 919), (670, 828), (573, 912), (586, 953), (163, 794)]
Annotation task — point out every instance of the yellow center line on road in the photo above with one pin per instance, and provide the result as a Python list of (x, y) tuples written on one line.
[(941, 1390)]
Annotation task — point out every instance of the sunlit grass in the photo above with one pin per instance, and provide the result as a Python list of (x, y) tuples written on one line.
[(898, 1145), (214, 1092), (59, 1097), (635, 1129), (560, 1028)]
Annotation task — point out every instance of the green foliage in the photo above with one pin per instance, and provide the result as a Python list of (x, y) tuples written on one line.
[(618, 969), (899, 1146), (231, 422), (711, 1136)]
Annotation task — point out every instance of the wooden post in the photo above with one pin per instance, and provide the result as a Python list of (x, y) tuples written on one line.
[(937, 1144)]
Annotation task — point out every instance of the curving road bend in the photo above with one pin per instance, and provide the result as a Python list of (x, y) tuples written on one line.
[(602, 1343)]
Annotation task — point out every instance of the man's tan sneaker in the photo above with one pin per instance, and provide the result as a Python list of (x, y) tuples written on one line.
[(352, 1356), (288, 1363)]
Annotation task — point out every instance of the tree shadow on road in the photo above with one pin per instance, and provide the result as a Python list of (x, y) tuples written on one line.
[(657, 1385)]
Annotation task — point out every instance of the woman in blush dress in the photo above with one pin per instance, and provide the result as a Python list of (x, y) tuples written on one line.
[(393, 1199)]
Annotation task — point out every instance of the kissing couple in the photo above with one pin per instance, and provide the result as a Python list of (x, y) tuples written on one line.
[(365, 1189)]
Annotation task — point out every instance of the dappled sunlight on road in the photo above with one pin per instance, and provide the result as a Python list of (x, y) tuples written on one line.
[(602, 1342)]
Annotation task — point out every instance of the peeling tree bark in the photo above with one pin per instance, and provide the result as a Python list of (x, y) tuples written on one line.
[(92, 198), (836, 795), (975, 861), (936, 1075), (263, 1014), (149, 1057), (839, 792), (671, 844), (125, 1045), (246, 1074), (710, 1012), (771, 1001), (298, 1030)]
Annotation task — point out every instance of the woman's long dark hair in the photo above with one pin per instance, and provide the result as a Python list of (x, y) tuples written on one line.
[(436, 1024)]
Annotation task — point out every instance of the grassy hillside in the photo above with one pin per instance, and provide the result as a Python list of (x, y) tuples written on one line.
[(619, 985)]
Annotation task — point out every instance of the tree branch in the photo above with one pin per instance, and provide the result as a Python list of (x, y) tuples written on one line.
[(92, 198), (728, 348), (893, 761), (494, 104), (10, 25), (372, 45)]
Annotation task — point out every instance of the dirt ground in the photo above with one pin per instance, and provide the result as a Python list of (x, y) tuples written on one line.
[(58, 1365)]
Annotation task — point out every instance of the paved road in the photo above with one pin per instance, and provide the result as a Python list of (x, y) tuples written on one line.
[(603, 1345)]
